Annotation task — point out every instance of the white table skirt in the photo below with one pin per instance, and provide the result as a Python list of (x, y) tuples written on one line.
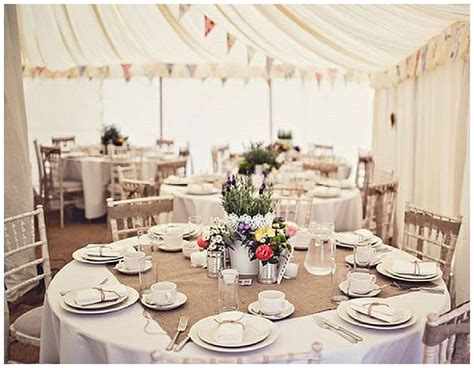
[(344, 211), (119, 337)]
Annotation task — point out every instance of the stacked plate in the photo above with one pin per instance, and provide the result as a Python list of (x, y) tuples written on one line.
[(402, 316), (68, 302), (324, 192), (175, 180), (189, 230), (386, 269), (258, 333), (92, 254), (350, 239)]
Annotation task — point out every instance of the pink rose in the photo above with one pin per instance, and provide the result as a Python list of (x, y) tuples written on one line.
[(291, 230), (264, 252), (202, 243)]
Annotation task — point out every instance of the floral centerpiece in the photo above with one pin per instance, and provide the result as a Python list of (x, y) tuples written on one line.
[(258, 156), (112, 135), (284, 134)]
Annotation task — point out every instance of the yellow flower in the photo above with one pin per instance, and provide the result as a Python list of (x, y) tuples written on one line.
[(260, 233)]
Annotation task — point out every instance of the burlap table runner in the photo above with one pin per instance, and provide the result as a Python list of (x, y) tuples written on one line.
[(308, 293)]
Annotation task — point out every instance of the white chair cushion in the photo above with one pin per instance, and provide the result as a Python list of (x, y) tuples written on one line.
[(29, 323)]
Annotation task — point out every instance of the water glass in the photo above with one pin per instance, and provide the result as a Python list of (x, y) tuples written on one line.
[(339, 274), (320, 257), (363, 253), (195, 220), (147, 276), (228, 285)]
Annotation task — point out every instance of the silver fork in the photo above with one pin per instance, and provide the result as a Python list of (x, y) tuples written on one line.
[(324, 324), (183, 323)]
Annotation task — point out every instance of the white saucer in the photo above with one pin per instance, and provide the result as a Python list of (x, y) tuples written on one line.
[(374, 292), (77, 255), (180, 300), (254, 309), (350, 259), (166, 248), (120, 267)]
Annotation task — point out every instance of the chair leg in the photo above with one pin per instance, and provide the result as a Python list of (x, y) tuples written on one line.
[(61, 209)]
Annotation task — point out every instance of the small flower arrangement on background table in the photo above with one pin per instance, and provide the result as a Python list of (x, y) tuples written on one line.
[(258, 158), (111, 135)]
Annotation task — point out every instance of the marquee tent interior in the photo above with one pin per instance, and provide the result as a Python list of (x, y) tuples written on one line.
[(392, 81)]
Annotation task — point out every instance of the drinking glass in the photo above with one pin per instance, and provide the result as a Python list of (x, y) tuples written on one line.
[(195, 220), (147, 276), (321, 253), (228, 285), (339, 274), (363, 253)]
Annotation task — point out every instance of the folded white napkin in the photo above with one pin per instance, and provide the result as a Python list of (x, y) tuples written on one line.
[(93, 296), (106, 251), (409, 268), (381, 312), (231, 332), (352, 238)]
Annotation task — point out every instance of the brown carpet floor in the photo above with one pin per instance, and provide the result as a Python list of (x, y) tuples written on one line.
[(62, 243)]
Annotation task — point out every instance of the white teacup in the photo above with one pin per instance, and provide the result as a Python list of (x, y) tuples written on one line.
[(364, 255), (173, 238), (271, 302), (361, 282), (131, 260), (164, 292)]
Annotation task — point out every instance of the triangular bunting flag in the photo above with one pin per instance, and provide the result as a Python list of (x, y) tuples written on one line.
[(105, 70), (223, 80), (230, 42), (319, 76), (81, 70), (250, 54), (332, 76), (183, 9), (40, 69), (424, 50), (169, 68), (191, 69), (208, 25), (126, 71), (269, 65)]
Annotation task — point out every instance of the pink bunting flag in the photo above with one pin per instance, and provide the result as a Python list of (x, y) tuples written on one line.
[(319, 76), (332, 75), (183, 9), (208, 25), (126, 71), (230, 42), (250, 54), (169, 68), (269, 65), (40, 69), (191, 69)]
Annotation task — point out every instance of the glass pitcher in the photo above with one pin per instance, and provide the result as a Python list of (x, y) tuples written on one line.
[(321, 253)]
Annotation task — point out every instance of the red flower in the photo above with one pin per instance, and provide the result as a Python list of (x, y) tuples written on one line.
[(202, 243), (264, 252)]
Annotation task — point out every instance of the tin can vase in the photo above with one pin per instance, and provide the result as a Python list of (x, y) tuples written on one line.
[(268, 273), (215, 263)]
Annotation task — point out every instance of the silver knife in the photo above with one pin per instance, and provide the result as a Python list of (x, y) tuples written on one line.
[(182, 343), (342, 329)]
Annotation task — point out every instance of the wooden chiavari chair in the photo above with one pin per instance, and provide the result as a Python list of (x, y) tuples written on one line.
[(293, 208), (64, 142), (186, 153), (131, 187), (127, 217), (54, 185), (322, 150), (327, 169), (380, 209), (119, 156), (219, 156), (430, 236), (164, 143), (20, 236), (447, 337), (166, 169)]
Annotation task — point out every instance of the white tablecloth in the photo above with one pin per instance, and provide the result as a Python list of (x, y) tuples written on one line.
[(94, 172), (119, 337), (344, 211)]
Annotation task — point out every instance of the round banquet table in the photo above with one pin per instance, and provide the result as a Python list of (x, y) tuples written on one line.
[(94, 173), (119, 337), (344, 211)]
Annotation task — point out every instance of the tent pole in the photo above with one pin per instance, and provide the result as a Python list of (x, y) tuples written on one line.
[(161, 107), (270, 106)]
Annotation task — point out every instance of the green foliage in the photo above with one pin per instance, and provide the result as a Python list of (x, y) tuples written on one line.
[(257, 154), (111, 135)]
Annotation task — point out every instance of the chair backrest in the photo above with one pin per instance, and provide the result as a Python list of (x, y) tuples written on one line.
[(20, 236), (430, 236), (447, 337), (291, 190), (129, 216), (219, 155), (324, 168), (298, 209), (322, 150), (166, 169), (364, 170), (39, 161), (53, 171), (168, 143), (380, 209), (64, 142), (119, 156)]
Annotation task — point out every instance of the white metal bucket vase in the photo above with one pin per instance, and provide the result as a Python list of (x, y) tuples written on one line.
[(240, 260)]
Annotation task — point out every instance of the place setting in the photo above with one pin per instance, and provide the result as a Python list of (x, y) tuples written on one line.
[(97, 254), (354, 238), (163, 296), (271, 304), (187, 230), (410, 270), (202, 189), (176, 180)]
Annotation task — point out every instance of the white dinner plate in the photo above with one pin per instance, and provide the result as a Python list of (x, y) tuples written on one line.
[(70, 300), (189, 230), (375, 242), (120, 267), (176, 181), (179, 301), (362, 318), (374, 292), (166, 248), (389, 267), (100, 258), (78, 256), (255, 309), (382, 270), (342, 313), (272, 337), (256, 330), (202, 192), (374, 262), (132, 298)]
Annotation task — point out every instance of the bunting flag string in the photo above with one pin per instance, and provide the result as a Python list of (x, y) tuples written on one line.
[(230, 42), (208, 25), (250, 54), (183, 9)]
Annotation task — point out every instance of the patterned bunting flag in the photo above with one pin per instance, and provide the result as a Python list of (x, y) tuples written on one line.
[(81, 69), (208, 25), (230, 42), (191, 69), (183, 9), (319, 76), (169, 68), (39, 70), (332, 75), (126, 71), (250, 54), (269, 65)]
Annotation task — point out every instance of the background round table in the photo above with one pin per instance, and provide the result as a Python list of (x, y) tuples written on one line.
[(119, 337), (344, 211)]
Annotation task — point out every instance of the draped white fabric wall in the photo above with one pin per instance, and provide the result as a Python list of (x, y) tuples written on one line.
[(201, 113), (429, 148)]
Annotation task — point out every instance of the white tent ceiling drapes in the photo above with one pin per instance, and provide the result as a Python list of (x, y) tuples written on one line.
[(362, 38)]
